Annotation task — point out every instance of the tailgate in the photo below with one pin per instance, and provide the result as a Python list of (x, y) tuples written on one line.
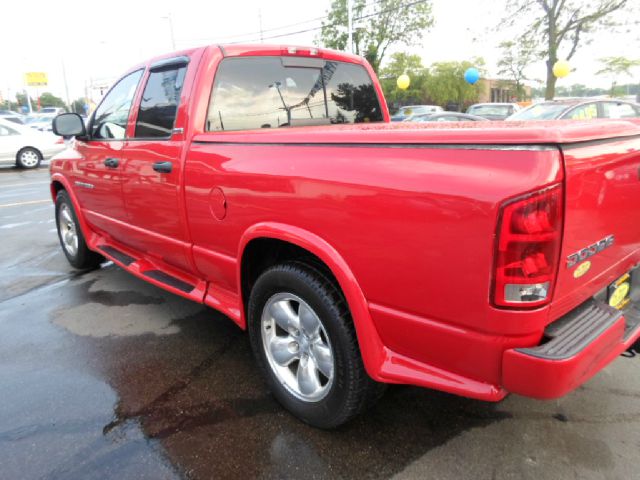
[(602, 218)]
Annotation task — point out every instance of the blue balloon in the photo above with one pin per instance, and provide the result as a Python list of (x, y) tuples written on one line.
[(472, 75)]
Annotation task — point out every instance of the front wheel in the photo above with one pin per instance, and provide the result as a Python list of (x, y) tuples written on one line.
[(304, 341), (70, 235), (28, 158)]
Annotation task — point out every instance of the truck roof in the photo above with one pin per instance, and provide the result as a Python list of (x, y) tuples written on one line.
[(242, 50)]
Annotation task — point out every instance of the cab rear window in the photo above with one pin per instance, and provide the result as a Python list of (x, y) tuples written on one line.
[(274, 92)]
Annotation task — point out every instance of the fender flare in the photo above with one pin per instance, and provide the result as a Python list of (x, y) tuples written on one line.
[(84, 226), (371, 347)]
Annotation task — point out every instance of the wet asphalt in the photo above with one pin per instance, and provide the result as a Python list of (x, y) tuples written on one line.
[(105, 376)]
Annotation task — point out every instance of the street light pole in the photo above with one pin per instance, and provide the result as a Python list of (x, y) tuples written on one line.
[(350, 25)]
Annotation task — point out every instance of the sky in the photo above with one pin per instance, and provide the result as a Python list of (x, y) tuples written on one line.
[(92, 43)]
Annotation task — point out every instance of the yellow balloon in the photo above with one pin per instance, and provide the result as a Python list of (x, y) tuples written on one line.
[(561, 68), (403, 81)]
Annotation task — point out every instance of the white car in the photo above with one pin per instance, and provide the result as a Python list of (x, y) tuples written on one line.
[(40, 122), (26, 147)]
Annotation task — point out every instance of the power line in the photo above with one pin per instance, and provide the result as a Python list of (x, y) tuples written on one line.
[(239, 38), (388, 10), (252, 34)]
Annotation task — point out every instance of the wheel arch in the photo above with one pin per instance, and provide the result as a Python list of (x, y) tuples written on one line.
[(371, 347)]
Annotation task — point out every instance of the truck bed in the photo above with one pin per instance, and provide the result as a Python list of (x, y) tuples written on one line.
[(551, 132)]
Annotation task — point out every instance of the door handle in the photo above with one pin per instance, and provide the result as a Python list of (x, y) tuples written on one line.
[(163, 167), (111, 163)]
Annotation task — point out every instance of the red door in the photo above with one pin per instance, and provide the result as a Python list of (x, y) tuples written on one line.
[(153, 167), (97, 174)]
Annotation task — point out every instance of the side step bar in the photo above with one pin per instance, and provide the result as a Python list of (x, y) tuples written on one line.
[(155, 272), (169, 280), (117, 254)]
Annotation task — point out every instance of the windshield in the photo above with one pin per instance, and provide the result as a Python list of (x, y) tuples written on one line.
[(540, 111), (498, 110)]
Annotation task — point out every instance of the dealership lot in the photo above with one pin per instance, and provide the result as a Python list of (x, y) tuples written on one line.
[(102, 374)]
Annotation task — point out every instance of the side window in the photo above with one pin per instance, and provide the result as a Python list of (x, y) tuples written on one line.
[(584, 112), (160, 101), (273, 92), (618, 110), (110, 119)]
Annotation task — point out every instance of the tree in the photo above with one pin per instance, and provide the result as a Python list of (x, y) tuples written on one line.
[(560, 26), (48, 99), (403, 63), (516, 57), (446, 84), (616, 67), (21, 101), (377, 26)]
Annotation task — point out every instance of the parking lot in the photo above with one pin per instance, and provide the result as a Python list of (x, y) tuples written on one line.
[(105, 376)]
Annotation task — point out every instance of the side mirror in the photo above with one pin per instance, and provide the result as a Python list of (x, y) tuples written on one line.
[(69, 125)]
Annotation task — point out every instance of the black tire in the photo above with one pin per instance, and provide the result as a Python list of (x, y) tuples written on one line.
[(28, 158), (351, 390), (83, 259)]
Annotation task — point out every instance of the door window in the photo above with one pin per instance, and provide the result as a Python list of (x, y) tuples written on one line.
[(159, 103), (618, 110), (271, 92), (110, 119), (584, 112)]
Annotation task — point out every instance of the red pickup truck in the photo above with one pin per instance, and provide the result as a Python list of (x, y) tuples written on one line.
[(267, 182)]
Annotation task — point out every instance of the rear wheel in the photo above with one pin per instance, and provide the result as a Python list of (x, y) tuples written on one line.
[(28, 158), (71, 238), (304, 341)]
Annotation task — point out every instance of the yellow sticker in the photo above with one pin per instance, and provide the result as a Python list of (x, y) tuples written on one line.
[(582, 269), (619, 295)]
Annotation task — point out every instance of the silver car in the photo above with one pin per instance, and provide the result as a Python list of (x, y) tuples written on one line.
[(25, 147)]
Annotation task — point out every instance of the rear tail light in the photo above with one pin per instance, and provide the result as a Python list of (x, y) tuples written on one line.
[(528, 249)]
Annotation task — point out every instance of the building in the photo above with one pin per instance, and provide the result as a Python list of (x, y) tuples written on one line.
[(496, 90)]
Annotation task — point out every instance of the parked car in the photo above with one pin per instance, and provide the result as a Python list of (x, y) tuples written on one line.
[(267, 183), (578, 109), (493, 111), (12, 117), (25, 147), (52, 111), (40, 122), (446, 117), (405, 112)]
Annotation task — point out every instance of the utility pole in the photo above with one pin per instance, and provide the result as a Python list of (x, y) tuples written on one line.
[(66, 85), (28, 101), (350, 25), (173, 38), (260, 24)]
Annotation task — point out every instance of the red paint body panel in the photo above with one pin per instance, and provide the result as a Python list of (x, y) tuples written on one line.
[(404, 217), (602, 199), (547, 379)]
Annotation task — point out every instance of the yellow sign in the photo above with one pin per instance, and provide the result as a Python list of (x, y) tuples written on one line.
[(582, 269), (36, 79), (619, 296)]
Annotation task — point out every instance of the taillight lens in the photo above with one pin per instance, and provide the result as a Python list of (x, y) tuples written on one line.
[(528, 249)]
